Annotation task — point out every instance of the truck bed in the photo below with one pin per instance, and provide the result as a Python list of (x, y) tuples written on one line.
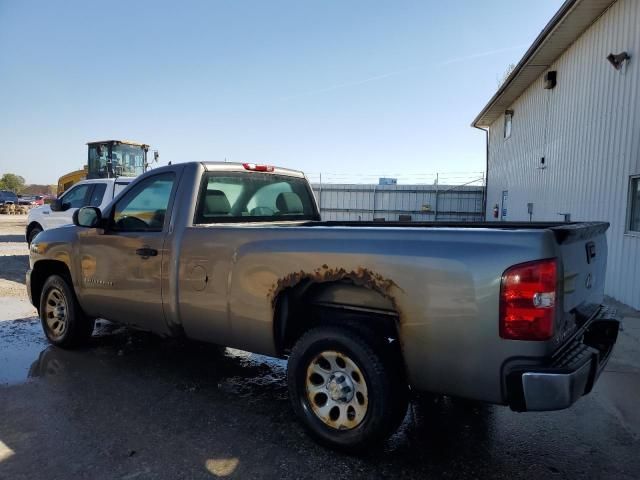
[(562, 231)]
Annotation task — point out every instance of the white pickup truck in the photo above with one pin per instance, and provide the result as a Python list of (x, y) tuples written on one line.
[(94, 193)]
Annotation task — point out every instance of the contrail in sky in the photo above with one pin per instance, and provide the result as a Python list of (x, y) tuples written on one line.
[(482, 54), (355, 83)]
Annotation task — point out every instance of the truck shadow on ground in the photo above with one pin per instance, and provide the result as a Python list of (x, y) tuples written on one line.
[(236, 382), (14, 268), (12, 238)]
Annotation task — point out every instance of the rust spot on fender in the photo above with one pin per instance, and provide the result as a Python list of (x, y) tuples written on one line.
[(360, 276)]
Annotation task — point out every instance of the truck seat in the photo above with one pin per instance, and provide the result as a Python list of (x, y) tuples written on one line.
[(216, 203), (289, 203)]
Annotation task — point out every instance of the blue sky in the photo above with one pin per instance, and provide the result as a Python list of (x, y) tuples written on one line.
[(347, 88)]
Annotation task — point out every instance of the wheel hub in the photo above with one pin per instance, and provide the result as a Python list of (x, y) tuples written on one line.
[(340, 387)]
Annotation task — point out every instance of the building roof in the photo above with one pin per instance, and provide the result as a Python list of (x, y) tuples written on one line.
[(566, 26)]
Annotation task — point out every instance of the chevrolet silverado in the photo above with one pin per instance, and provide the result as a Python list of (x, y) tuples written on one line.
[(365, 313)]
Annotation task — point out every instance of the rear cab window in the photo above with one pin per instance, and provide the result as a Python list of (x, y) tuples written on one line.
[(253, 197)]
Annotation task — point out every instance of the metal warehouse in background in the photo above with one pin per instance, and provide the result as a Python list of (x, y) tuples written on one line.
[(564, 132), (409, 203)]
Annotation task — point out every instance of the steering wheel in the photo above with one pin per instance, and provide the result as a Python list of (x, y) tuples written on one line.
[(131, 223), (262, 212)]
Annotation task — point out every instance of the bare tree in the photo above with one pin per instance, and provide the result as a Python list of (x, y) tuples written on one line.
[(505, 75)]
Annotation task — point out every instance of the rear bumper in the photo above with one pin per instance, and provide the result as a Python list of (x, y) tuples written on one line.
[(562, 379)]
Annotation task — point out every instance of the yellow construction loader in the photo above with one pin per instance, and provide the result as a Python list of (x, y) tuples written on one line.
[(109, 159)]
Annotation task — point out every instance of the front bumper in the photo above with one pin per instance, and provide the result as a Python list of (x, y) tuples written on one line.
[(28, 283), (571, 373)]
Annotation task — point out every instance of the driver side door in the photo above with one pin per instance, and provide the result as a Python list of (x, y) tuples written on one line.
[(122, 268)]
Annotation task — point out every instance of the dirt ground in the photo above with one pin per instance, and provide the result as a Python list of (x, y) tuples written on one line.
[(14, 258), (132, 406)]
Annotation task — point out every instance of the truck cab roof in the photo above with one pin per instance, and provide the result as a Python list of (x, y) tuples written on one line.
[(244, 167)]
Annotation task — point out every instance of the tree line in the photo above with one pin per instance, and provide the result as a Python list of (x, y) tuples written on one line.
[(17, 184)]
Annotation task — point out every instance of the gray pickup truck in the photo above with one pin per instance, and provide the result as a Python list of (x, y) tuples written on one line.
[(237, 255)]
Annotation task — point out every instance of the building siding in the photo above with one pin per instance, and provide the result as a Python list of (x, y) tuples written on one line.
[(588, 130), (424, 203)]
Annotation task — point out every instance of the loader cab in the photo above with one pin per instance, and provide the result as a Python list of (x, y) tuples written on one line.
[(116, 158)]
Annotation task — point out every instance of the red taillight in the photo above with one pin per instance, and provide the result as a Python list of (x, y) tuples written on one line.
[(257, 168), (528, 300)]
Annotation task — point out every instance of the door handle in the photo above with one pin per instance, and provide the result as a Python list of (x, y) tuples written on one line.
[(147, 252)]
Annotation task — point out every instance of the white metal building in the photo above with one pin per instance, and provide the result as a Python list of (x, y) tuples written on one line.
[(409, 203), (568, 143)]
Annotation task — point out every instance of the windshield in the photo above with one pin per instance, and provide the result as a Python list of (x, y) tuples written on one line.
[(106, 160), (254, 197), (128, 160)]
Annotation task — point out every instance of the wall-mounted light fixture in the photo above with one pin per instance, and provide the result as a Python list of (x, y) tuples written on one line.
[(550, 79), (542, 165), (618, 59)]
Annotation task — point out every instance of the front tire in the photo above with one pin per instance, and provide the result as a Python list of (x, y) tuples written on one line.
[(348, 394), (33, 233), (63, 321)]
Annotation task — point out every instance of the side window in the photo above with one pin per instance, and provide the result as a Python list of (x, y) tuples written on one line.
[(75, 198), (97, 194), (508, 120), (143, 209), (119, 186)]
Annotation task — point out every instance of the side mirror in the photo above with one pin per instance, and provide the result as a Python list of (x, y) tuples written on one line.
[(89, 217), (56, 205)]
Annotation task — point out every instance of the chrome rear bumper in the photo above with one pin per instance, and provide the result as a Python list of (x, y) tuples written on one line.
[(561, 380)]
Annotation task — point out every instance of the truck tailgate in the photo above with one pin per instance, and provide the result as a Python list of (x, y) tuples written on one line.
[(582, 254)]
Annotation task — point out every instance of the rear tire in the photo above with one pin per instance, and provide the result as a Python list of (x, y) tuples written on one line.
[(349, 393), (63, 321)]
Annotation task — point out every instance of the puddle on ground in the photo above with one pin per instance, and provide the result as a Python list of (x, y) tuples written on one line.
[(190, 366), (21, 341)]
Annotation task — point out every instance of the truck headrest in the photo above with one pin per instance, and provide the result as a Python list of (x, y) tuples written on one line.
[(289, 202), (216, 203)]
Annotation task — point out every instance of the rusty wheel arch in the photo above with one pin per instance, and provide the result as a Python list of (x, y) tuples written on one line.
[(289, 298)]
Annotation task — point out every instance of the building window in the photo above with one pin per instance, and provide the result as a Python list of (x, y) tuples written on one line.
[(508, 119), (633, 209)]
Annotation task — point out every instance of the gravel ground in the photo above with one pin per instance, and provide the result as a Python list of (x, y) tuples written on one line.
[(14, 258), (132, 406)]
